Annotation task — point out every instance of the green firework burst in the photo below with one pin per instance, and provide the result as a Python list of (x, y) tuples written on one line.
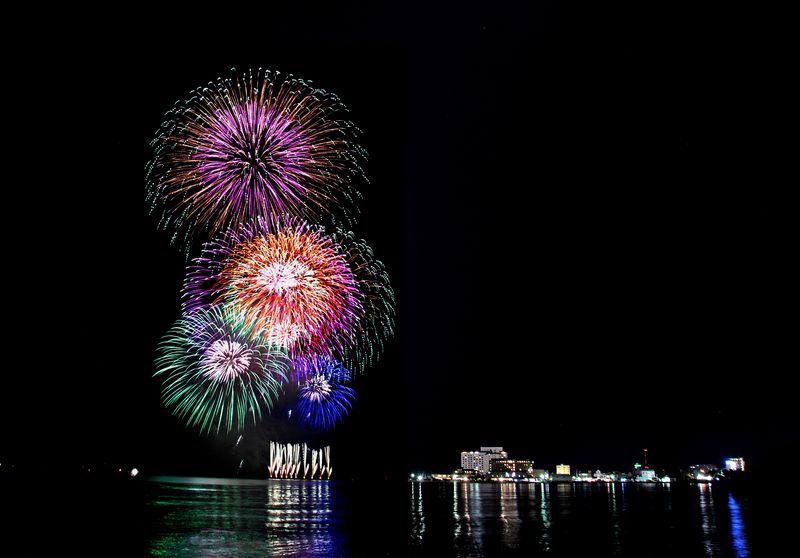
[(217, 372)]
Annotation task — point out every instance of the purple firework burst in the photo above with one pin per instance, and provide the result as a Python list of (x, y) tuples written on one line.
[(257, 145)]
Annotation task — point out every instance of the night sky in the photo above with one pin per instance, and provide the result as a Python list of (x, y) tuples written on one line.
[(589, 240)]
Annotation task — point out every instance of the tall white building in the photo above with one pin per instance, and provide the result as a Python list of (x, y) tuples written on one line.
[(480, 461), (471, 460), (734, 464)]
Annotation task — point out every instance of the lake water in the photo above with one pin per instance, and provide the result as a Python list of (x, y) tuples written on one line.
[(181, 516)]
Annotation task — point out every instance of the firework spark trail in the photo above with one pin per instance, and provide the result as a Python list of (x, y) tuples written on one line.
[(307, 366), (304, 289), (376, 322), (218, 373), (256, 145)]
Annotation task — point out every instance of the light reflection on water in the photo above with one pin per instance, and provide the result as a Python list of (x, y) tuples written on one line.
[(509, 511), (737, 528), (709, 524), (224, 517), (417, 516), (615, 523), (603, 519), (544, 498)]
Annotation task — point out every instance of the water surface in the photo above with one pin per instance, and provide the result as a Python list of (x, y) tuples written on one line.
[(204, 517), (213, 517)]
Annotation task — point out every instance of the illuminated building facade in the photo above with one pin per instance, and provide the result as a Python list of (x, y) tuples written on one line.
[(471, 460), (480, 461), (512, 468), (645, 475), (562, 469), (702, 472), (734, 464), (540, 474)]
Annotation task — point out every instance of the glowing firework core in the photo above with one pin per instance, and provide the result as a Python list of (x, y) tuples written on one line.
[(317, 388), (247, 149), (280, 277), (225, 360)]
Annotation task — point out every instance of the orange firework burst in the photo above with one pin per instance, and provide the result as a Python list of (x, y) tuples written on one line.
[(293, 284), (306, 290)]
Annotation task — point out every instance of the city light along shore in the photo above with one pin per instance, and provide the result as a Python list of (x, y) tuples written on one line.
[(492, 464)]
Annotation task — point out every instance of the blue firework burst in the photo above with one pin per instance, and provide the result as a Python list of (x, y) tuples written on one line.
[(323, 399)]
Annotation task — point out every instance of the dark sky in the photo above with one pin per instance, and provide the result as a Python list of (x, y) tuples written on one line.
[(587, 233)]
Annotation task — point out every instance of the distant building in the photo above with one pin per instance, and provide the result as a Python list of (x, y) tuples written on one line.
[(540, 474), (563, 469), (494, 450), (734, 464), (702, 472), (480, 461), (607, 477), (645, 475), (514, 468)]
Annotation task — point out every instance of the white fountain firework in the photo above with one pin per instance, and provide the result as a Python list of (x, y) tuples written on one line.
[(294, 461)]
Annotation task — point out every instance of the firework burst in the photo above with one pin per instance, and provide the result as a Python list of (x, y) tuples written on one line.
[(322, 398), (218, 372), (303, 289), (307, 366), (256, 145)]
